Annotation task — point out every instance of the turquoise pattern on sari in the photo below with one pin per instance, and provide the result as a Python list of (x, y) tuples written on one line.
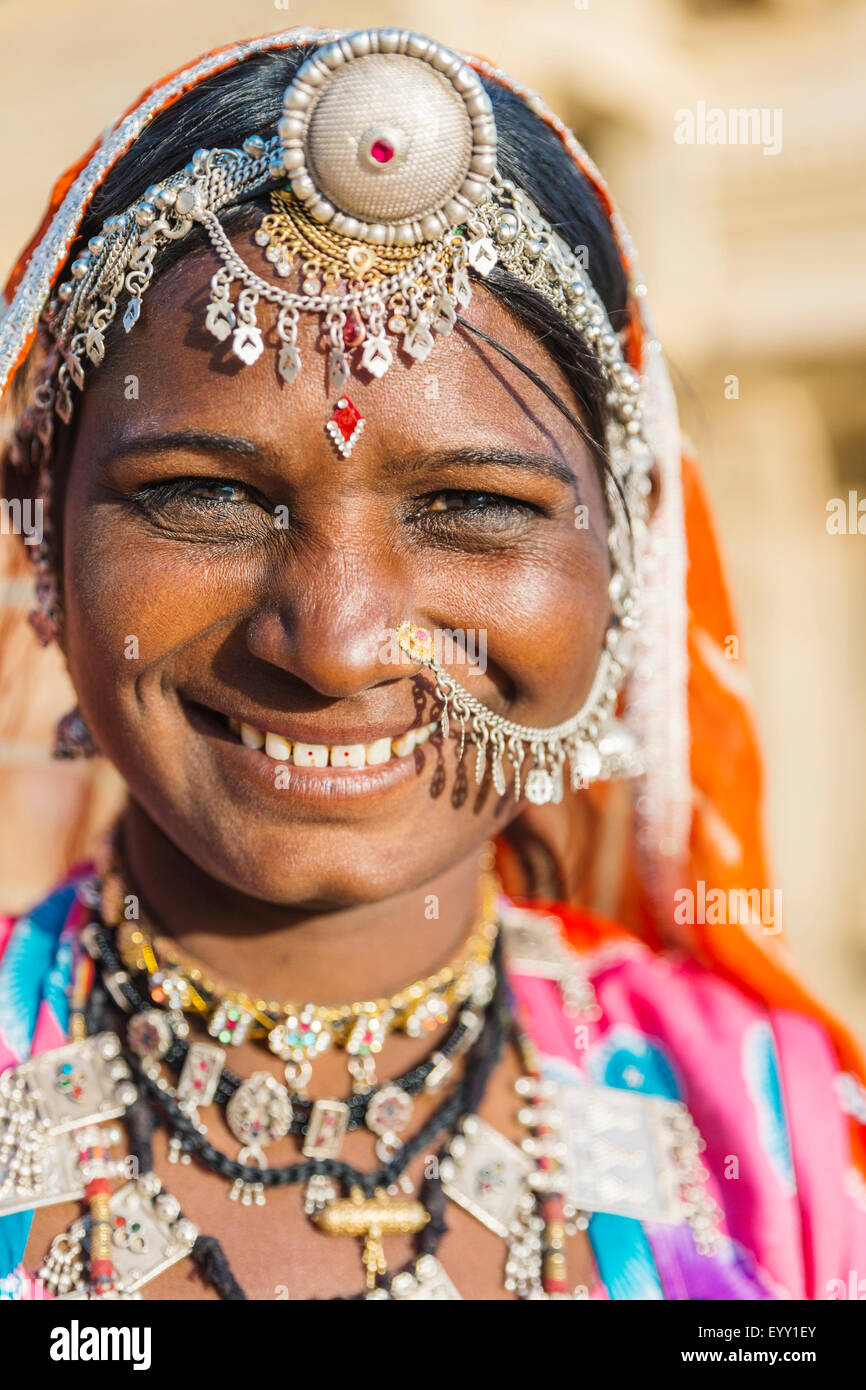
[(34, 969), (761, 1074), (624, 1257)]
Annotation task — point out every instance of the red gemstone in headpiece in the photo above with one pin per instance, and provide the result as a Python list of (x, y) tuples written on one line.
[(382, 151), (354, 332), (345, 425)]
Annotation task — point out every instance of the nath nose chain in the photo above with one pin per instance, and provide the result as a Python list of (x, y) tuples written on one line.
[(384, 194), (592, 743)]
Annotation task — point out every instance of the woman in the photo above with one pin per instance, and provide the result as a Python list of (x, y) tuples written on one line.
[(373, 559)]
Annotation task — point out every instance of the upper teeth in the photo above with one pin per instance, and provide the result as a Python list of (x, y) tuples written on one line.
[(337, 754)]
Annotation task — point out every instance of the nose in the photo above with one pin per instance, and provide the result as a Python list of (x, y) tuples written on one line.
[(330, 620)]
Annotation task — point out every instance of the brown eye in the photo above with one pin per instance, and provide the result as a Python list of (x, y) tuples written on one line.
[(206, 509), (194, 491), (218, 491), (471, 520), (457, 501)]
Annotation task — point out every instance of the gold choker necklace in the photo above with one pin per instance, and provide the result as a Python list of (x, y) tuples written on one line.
[(300, 1032)]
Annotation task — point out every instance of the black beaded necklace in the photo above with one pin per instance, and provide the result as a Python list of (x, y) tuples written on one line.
[(412, 1081), (141, 1120)]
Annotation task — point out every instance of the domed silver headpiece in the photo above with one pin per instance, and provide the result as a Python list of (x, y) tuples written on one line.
[(388, 138)]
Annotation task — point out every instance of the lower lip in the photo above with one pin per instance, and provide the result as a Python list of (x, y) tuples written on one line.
[(310, 784)]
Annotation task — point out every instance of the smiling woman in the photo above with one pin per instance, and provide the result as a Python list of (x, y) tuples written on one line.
[(333, 350)]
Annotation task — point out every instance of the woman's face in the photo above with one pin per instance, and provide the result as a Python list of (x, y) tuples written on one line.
[(223, 562)]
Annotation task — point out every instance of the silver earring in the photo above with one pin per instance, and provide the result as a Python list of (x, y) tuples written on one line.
[(72, 737)]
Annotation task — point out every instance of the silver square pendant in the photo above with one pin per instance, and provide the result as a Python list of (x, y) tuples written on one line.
[(78, 1084), (486, 1174), (149, 1233)]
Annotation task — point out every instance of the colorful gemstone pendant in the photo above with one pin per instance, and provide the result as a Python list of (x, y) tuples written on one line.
[(326, 1129), (230, 1023), (300, 1037), (258, 1113), (345, 426), (388, 1113), (150, 1035)]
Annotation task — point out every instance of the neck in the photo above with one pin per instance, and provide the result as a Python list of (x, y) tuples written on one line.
[(363, 951)]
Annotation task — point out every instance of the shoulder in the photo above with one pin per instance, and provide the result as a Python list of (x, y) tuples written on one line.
[(780, 1116), (35, 961)]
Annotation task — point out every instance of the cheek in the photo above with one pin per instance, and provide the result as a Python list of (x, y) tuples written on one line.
[(556, 629), (540, 618), (127, 606)]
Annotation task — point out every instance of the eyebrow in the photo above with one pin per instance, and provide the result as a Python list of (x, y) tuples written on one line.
[(177, 441), (213, 442), (503, 458)]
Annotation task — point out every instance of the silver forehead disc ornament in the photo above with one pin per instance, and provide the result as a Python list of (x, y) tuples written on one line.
[(388, 137)]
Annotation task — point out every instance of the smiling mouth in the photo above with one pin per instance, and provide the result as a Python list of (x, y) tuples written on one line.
[(341, 755)]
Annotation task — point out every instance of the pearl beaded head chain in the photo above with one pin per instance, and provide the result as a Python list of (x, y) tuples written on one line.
[(384, 210)]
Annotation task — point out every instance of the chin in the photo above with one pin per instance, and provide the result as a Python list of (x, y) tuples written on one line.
[(318, 864)]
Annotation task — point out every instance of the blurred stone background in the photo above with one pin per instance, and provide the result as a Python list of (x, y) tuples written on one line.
[(755, 267)]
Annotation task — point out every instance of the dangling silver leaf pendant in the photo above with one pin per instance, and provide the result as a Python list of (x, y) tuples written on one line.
[(133, 309), (289, 362), (377, 356), (220, 319), (247, 343), (418, 342), (95, 345), (461, 288), (482, 255), (480, 763), (76, 372), (338, 370), (498, 775), (446, 315)]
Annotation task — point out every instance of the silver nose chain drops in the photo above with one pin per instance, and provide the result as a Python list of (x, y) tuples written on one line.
[(590, 754), (384, 195)]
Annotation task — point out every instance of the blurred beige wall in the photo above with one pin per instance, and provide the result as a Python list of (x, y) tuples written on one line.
[(754, 263)]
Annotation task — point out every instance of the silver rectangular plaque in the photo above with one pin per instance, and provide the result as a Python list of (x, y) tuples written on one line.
[(620, 1152), (78, 1084), (326, 1129), (59, 1181), (200, 1073)]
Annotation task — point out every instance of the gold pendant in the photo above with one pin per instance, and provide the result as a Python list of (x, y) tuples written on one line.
[(369, 1219)]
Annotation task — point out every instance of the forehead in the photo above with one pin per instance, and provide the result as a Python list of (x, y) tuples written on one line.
[(171, 372)]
